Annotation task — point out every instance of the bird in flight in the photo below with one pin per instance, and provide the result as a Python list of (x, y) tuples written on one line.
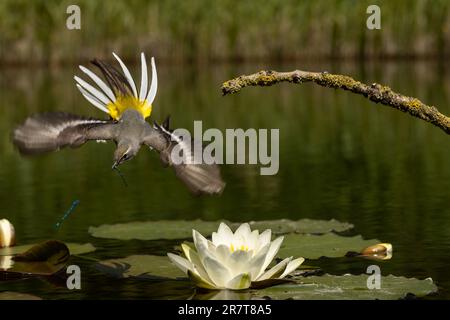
[(126, 126)]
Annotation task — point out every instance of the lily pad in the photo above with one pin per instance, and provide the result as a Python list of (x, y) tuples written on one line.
[(140, 266), (74, 248), (312, 287), (301, 226), (182, 229), (352, 287), (152, 230), (327, 245), (10, 295), (45, 258)]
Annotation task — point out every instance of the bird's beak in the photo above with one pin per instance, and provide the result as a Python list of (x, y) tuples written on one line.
[(118, 162)]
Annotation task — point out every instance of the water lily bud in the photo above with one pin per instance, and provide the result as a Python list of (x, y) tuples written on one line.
[(7, 234), (380, 251)]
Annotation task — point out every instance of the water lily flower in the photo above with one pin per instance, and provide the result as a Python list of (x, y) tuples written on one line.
[(7, 234), (233, 260)]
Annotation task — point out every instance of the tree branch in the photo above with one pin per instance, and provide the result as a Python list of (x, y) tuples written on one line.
[(374, 92)]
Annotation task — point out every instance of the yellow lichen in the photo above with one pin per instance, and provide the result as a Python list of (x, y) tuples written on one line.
[(338, 81), (266, 80), (414, 103)]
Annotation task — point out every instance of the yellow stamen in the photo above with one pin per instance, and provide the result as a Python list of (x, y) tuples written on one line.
[(241, 248)]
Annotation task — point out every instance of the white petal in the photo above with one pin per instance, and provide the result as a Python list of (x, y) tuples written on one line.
[(154, 86), (180, 262), (239, 262), (198, 239), (225, 233), (203, 247), (239, 282), (275, 271), (292, 265), (92, 99), (273, 250), (100, 83), (96, 93), (257, 262), (190, 253), (253, 241), (264, 238), (201, 282), (127, 74), (201, 244), (218, 273), (194, 258), (243, 231), (144, 78), (216, 239), (222, 253)]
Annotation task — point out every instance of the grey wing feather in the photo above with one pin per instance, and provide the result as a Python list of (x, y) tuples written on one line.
[(51, 131), (199, 178)]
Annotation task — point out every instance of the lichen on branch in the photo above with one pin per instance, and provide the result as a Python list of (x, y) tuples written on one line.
[(374, 92)]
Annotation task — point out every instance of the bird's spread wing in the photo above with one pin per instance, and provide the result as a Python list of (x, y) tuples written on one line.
[(51, 131), (199, 178)]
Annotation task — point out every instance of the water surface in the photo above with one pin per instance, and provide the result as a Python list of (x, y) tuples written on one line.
[(341, 157)]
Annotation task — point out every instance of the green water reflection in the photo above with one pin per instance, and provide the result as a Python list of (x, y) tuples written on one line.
[(341, 157)]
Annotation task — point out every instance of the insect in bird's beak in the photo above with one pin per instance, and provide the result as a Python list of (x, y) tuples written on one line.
[(121, 160), (117, 163)]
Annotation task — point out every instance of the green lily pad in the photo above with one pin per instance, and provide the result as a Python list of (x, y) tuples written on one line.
[(152, 230), (313, 287), (182, 229), (327, 245), (10, 295), (45, 258), (352, 287), (74, 248), (301, 226), (140, 266)]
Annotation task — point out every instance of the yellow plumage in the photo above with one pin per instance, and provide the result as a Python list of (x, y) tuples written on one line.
[(123, 103)]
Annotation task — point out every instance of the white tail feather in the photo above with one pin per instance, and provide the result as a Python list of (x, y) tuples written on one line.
[(144, 78), (92, 99), (100, 83), (127, 74), (154, 86), (96, 93)]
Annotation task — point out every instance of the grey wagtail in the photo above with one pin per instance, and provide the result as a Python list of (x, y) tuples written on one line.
[(126, 126)]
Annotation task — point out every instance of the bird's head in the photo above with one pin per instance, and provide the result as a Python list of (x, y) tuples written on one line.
[(124, 152)]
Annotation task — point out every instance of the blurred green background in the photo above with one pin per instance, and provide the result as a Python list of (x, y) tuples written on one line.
[(341, 156), (231, 30)]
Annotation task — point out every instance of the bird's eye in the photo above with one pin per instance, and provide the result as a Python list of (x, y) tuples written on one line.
[(125, 157)]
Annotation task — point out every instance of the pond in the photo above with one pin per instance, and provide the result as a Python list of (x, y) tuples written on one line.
[(341, 157)]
